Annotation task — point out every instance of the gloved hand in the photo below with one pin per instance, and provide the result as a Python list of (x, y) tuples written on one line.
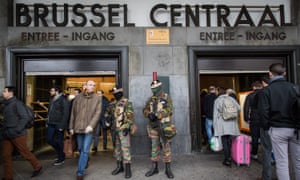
[(88, 129), (152, 117), (125, 131), (163, 101), (71, 131)]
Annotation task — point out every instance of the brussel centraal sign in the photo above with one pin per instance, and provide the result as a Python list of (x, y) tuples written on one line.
[(160, 15)]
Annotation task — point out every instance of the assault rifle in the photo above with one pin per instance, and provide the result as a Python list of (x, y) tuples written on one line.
[(155, 122)]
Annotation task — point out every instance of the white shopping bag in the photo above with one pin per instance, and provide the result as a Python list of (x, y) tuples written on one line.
[(216, 143)]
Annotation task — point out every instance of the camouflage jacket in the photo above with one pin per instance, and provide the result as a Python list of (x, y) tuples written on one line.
[(161, 106), (122, 112)]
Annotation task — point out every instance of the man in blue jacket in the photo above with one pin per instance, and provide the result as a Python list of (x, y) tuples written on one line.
[(14, 134), (274, 105)]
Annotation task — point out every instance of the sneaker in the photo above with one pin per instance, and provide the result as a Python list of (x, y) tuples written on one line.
[(58, 163), (254, 156), (37, 172)]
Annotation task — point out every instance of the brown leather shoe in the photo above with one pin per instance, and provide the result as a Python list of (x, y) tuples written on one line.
[(79, 178)]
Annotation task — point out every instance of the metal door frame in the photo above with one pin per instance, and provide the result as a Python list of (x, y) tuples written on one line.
[(15, 61)]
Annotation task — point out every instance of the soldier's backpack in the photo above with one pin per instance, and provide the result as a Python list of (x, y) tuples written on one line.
[(229, 109)]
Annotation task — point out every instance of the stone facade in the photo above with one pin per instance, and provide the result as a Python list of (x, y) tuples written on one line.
[(168, 60)]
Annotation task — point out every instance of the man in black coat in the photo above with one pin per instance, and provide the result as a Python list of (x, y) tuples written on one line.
[(251, 116), (14, 134), (57, 122), (274, 105), (209, 100)]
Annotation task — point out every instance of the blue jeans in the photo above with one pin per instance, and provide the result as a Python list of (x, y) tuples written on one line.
[(208, 128), (55, 138), (84, 142)]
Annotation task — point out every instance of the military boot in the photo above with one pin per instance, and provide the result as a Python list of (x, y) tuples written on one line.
[(153, 170), (127, 171), (168, 171), (118, 169)]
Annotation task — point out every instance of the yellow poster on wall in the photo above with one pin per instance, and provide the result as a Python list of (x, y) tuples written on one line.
[(157, 36)]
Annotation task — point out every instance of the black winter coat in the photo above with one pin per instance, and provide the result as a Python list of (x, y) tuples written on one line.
[(209, 101), (274, 104), (105, 103), (59, 112), (15, 118), (251, 113)]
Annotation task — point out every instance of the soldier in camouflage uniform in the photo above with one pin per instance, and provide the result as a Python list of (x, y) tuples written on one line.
[(158, 110), (123, 119)]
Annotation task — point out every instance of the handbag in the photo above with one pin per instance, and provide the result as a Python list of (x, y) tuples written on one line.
[(68, 146), (216, 143)]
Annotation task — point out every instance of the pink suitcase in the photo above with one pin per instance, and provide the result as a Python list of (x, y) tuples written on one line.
[(240, 150)]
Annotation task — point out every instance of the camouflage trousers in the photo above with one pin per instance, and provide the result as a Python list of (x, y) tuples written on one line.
[(122, 147), (157, 143)]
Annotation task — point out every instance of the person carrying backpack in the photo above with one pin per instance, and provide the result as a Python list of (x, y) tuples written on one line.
[(225, 121), (274, 106), (14, 134)]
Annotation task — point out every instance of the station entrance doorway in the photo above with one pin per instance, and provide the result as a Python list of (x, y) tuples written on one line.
[(232, 68), (38, 86), (34, 71), (240, 84)]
